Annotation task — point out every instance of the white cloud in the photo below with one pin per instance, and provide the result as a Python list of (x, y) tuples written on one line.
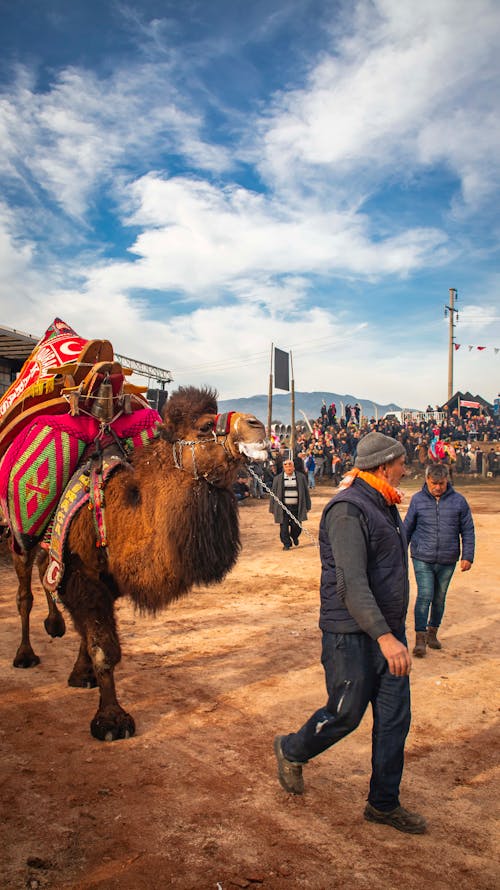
[(413, 84), (407, 86), (18, 282), (197, 238), (76, 135), (479, 318)]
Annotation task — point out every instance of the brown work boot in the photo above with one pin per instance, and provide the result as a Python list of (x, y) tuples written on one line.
[(289, 772), (411, 823), (432, 640), (419, 649)]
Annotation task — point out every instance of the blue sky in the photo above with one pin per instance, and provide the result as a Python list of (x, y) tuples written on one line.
[(198, 180)]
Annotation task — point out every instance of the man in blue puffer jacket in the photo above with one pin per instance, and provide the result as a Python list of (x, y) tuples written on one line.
[(438, 521)]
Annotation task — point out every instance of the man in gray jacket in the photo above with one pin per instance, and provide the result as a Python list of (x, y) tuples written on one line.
[(291, 488), (438, 521), (364, 597)]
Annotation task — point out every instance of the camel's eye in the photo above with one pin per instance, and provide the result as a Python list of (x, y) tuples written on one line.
[(207, 427)]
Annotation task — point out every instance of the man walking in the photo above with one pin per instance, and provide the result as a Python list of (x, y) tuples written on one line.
[(364, 599), (438, 521), (292, 490), (310, 466)]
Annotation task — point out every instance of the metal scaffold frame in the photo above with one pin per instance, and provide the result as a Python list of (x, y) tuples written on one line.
[(150, 371)]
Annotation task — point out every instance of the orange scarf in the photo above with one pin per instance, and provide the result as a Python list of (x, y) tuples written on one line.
[(391, 495)]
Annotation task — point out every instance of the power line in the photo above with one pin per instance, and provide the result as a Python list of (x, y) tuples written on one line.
[(301, 349)]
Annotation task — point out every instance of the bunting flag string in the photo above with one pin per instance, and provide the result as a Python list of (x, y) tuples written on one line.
[(496, 349)]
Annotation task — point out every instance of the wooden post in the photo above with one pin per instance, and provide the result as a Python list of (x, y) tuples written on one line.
[(270, 396), (292, 436), (451, 345)]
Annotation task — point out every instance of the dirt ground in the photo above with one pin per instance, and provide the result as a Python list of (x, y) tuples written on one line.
[(192, 800)]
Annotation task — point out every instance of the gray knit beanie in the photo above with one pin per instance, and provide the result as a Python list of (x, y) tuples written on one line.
[(376, 449)]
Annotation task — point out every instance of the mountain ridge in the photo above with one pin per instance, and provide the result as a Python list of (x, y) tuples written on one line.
[(308, 402)]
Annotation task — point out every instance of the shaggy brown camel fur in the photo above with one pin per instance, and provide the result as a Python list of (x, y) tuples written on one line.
[(172, 522)]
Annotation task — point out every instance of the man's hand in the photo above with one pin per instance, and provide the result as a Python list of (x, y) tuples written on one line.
[(396, 653), (465, 565)]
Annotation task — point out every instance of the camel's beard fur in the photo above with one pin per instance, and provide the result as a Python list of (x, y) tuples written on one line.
[(164, 534), (204, 541)]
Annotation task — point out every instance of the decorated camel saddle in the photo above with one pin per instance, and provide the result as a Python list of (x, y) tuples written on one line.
[(71, 400), (440, 451)]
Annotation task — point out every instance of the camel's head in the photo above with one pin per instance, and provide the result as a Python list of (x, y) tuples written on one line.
[(246, 435), (190, 414), (209, 444)]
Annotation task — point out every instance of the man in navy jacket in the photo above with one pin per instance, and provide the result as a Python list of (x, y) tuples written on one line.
[(364, 597), (438, 521)]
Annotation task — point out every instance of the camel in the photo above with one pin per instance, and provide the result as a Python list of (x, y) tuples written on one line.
[(172, 523)]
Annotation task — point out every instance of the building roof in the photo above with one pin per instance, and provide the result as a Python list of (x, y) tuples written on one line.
[(452, 404), (15, 345)]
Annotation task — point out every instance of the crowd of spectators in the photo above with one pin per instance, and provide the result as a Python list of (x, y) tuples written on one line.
[(326, 448)]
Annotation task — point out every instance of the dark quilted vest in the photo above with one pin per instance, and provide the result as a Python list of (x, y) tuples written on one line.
[(387, 562)]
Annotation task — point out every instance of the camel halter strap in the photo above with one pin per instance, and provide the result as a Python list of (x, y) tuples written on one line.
[(221, 431), (223, 423), (184, 443)]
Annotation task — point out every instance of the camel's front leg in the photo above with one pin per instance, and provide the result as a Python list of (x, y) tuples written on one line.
[(23, 564), (92, 608), (111, 722)]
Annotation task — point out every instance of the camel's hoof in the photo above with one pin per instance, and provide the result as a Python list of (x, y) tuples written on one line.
[(25, 658), (82, 679), (55, 627), (108, 727)]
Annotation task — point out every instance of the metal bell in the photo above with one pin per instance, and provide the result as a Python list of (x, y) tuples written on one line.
[(102, 408)]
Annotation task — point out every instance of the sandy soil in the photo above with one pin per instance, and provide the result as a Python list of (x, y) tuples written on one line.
[(192, 801)]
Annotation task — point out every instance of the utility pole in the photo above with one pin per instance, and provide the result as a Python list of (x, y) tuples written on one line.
[(451, 312)]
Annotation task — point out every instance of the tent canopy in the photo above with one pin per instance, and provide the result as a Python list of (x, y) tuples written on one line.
[(468, 402)]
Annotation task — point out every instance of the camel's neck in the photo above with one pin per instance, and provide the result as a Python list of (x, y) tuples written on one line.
[(172, 531)]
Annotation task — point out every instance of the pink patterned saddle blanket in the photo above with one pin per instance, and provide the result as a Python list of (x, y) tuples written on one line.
[(41, 460)]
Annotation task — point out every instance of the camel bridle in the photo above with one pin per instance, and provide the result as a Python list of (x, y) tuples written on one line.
[(220, 432)]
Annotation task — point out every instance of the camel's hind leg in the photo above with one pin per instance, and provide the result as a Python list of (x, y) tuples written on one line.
[(83, 674), (23, 564), (91, 604), (54, 622)]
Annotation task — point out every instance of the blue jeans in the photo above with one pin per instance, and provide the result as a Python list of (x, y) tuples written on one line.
[(357, 674), (310, 477), (433, 581)]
